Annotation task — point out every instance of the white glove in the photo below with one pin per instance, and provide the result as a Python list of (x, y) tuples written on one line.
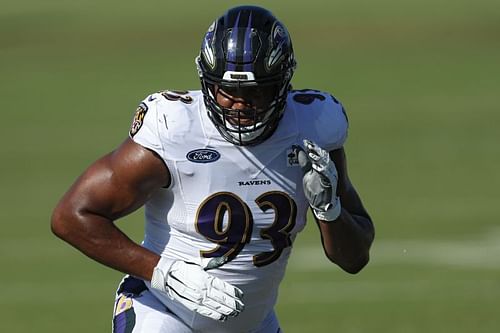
[(197, 290), (319, 181)]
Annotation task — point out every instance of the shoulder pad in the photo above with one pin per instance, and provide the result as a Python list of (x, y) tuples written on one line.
[(322, 117)]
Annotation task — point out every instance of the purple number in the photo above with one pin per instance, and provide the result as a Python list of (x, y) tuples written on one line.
[(278, 233), (223, 218), (230, 234)]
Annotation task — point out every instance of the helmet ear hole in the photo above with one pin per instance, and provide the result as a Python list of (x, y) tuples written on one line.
[(247, 53)]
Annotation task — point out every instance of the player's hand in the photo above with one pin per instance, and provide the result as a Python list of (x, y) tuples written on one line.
[(319, 181), (196, 289)]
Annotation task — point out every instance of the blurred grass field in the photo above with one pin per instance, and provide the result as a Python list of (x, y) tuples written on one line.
[(421, 84)]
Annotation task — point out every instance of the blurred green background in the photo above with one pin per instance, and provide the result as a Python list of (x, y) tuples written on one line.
[(420, 81)]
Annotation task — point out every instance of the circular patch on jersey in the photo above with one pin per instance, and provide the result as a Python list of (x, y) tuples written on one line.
[(140, 113), (203, 155)]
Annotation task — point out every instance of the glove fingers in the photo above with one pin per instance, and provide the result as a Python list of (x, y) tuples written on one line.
[(221, 297), (214, 303), (321, 162), (313, 157), (312, 149), (319, 168), (315, 152), (308, 144), (221, 308), (203, 310), (184, 291), (201, 292), (207, 312), (227, 288)]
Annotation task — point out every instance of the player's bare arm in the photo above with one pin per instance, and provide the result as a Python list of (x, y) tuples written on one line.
[(112, 187), (346, 228), (347, 240)]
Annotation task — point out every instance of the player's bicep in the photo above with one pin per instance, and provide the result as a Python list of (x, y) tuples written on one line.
[(349, 197), (118, 183)]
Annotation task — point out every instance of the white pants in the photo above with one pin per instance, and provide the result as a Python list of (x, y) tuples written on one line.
[(137, 310)]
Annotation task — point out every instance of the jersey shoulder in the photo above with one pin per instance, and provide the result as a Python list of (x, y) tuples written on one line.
[(173, 101), (164, 114), (321, 117)]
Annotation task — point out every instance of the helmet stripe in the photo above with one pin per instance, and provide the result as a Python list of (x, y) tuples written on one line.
[(247, 48), (231, 53)]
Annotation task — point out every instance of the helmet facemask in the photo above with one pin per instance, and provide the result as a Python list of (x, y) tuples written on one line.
[(254, 122), (241, 59)]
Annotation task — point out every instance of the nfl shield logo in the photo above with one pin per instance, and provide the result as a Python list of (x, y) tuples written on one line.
[(291, 157)]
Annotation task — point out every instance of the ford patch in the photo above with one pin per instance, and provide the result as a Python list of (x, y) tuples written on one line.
[(203, 155)]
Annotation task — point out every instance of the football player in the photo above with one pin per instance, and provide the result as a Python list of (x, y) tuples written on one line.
[(226, 175)]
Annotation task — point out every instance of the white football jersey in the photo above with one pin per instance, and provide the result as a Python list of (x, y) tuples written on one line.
[(244, 203)]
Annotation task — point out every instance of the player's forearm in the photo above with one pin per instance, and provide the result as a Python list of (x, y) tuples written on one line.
[(347, 240), (98, 238)]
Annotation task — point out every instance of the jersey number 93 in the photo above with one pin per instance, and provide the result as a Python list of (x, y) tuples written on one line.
[(237, 232)]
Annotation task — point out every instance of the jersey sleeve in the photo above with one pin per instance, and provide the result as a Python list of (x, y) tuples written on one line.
[(321, 118), (336, 126), (144, 128)]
